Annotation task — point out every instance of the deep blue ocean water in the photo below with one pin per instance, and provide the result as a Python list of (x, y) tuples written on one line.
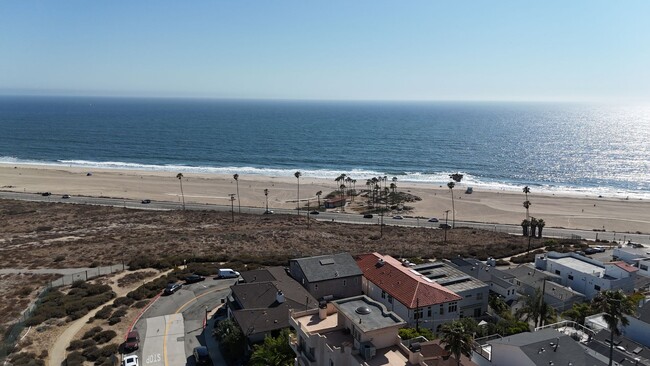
[(595, 149)]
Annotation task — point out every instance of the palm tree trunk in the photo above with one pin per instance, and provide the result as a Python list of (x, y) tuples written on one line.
[(182, 194), (298, 198), (238, 198), (453, 211)]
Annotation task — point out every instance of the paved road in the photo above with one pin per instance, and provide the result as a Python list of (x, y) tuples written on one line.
[(173, 325), (332, 216)]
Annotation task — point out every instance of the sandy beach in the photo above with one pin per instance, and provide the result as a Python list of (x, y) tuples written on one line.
[(612, 214)]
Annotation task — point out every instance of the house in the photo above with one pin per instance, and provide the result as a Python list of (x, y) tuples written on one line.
[(637, 257), (474, 293), (585, 275), (626, 351), (500, 283), (338, 201), (529, 279), (544, 347), (637, 330), (260, 305), (413, 297), (328, 276), (360, 331)]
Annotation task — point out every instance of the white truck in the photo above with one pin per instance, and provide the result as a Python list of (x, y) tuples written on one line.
[(227, 273)]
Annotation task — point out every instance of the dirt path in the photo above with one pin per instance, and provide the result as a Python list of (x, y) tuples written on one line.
[(57, 353)]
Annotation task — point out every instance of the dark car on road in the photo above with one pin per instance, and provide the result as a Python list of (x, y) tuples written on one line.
[(445, 226), (65, 196), (314, 213), (132, 341), (172, 287), (194, 279), (45, 194), (590, 251), (202, 356), (433, 219), (367, 216), (147, 201)]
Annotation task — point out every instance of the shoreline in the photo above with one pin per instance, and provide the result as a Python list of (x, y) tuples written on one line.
[(494, 206)]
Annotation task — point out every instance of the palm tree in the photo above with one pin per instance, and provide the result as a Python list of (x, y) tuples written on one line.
[(266, 194), (457, 340), (395, 182), (526, 191), (298, 174), (524, 226), (236, 176), (533, 226), (275, 351), (342, 188), (180, 179), (578, 312), (540, 226), (451, 186), (615, 305), (393, 186), (536, 309), (339, 179), (318, 194)]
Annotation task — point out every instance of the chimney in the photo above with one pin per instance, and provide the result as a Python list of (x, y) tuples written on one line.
[(279, 297), (322, 310), (380, 262)]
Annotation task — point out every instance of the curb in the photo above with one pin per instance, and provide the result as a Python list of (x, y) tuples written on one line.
[(141, 313)]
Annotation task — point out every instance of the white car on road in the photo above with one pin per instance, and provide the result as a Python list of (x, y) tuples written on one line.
[(130, 361)]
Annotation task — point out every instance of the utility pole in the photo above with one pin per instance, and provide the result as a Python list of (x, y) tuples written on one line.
[(232, 206), (446, 224), (417, 317)]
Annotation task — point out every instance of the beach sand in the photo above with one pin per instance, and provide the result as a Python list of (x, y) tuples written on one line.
[(506, 207)]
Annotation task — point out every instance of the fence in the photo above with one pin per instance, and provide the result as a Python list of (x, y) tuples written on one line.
[(12, 336)]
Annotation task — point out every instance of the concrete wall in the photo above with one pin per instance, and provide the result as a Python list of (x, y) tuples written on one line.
[(473, 299)]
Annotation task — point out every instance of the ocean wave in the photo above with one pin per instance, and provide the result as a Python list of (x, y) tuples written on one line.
[(433, 178)]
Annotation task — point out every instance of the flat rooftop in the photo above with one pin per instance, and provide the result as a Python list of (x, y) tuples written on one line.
[(449, 277), (367, 314), (578, 265)]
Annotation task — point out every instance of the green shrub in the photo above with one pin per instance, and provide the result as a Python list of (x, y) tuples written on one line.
[(104, 336), (409, 333), (92, 332), (75, 345), (105, 312), (91, 353), (26, 359), (114, 320), (88, 343), (75, 359), (109, 350), (123, 301)]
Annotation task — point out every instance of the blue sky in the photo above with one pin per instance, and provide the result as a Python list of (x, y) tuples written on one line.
[(395, 50)]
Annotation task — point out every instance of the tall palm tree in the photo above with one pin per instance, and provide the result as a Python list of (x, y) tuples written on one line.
[(180, 179), (526, 191), (266, 194), (615, 305), (318, 194), (298, 174), (457, 340), (451, 186), (236, 176), (533, 226), (395, 182), (342, 188), (536, 309)]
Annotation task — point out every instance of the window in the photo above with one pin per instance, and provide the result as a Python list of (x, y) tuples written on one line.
[(417, 314), (315, 287), (643, 267), (571, 277), (468, 296), (345, 282), (479, 296), (390, 299), (453, 307), (557, 272), (429, 312), (442, 310), (596, 287), (383, 294)]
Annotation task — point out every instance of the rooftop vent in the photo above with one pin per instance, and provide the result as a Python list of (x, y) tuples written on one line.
[(279, 297), (363, 310), (380, 262)]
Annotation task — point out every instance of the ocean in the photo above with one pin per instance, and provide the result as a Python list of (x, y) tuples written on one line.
[(551, 147)]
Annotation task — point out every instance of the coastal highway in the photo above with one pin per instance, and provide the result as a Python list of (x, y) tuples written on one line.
[(330, 216)]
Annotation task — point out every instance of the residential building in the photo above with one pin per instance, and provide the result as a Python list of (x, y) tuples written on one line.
[(474, 292), (540, 348), (637, 330), (529, 279), (335, 202), (500, 283), (626, 350), (413, 297), (637, 257), (360, 331), (334, 276), (585, 275), (260, 305)]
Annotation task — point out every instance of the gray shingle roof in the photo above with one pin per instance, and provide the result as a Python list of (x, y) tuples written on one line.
[(327, 267)]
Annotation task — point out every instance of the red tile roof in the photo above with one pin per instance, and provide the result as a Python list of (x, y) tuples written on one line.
[(401, 283), (624, 266)]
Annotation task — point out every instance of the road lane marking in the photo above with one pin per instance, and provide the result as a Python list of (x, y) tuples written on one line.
[(178, 311)]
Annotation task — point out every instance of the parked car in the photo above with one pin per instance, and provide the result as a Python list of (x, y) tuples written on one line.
[(591, 251), (398, 217), (130, 361), (444, 226), (600, 249), (227, 273), (172, 287), (65, 196), (194, 278), (132, 341), (146, 201), (268, 212), (202, 356), (367, 216), (45, 194), (314, 213), (433, 219)]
